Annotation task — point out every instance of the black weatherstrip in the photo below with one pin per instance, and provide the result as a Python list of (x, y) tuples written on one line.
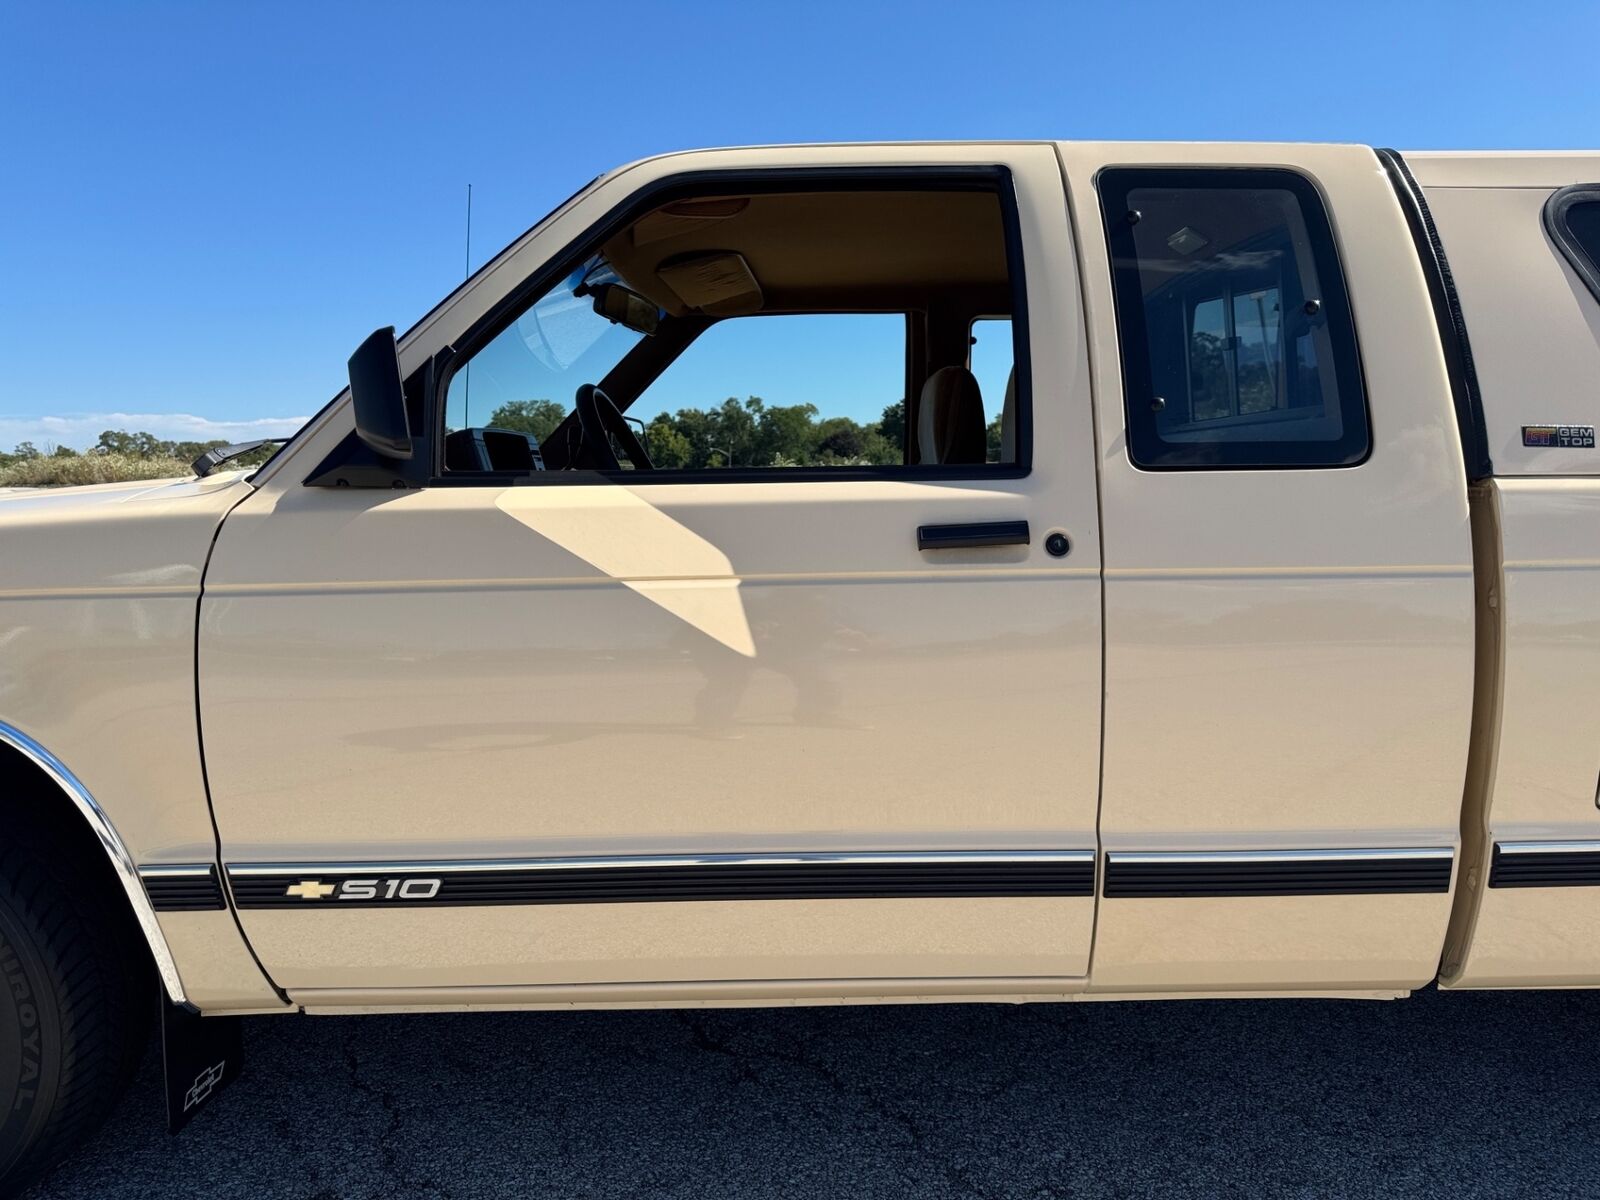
[(1558, 224), (1558, 864), (642, 881), (1447, 315), (182, 889), (1289, 874)]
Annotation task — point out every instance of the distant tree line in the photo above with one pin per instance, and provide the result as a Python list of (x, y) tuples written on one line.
[(740, 433), (141, 446), (748, 433)]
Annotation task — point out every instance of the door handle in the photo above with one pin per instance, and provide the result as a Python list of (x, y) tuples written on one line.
[(974, 533)]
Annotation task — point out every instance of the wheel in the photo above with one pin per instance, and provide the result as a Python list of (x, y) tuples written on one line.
[(75, 1009)]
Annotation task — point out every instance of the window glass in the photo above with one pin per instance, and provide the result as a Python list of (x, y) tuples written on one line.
[(525, 379), (1210, 382), (990, 362), (760, 331), (1237, 342), (1257, 351), (789, 390), (1583, 223)]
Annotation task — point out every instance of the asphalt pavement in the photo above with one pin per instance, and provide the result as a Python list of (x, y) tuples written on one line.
[(1487, 1094)]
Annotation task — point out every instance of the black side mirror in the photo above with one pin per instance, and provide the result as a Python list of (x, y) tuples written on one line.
[(379, 396)]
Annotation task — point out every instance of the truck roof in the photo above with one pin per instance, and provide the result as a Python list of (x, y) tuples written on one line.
[(1503, 168), (1432, 168)]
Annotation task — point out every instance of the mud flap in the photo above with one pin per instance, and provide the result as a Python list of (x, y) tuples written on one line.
[(199, 1056)]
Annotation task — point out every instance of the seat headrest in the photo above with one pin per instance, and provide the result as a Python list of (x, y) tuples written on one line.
[(950, 418)]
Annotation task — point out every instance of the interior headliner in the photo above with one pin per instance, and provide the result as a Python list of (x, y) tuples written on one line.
[(891, 247)]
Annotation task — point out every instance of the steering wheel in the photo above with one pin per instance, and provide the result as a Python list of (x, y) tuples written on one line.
[(599, 417)]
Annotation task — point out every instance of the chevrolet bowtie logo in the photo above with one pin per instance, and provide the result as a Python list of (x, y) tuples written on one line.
[(309, 889)]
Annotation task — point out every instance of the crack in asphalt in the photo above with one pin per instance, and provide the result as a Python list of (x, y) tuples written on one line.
[(1475, 1094), (388, 1152), (874, 1101)]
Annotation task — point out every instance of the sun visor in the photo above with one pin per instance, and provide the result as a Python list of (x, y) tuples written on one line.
[(685, 217), (718, 283)]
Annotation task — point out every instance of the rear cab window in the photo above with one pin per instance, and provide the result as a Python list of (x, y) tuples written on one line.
[(1237, 341)]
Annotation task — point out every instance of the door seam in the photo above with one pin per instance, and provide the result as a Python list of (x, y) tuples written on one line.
[(200, 748), (1075, 233)]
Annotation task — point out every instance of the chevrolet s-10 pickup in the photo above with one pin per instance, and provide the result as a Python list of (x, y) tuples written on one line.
[(1120, 571)]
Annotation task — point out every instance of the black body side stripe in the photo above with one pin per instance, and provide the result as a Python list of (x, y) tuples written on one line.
[(1289, 873), (664, 878), (1545, 864), (182, 888)]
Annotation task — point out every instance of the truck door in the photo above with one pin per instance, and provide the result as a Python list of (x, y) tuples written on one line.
[(754, 715), (1289, 612)]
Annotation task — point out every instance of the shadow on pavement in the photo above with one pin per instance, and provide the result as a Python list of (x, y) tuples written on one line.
[(1487, 1094)]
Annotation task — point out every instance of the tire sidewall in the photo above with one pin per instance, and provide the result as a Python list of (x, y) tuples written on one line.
[(30, 1040)]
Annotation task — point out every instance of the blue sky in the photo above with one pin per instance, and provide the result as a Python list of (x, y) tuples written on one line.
[(204, 207)]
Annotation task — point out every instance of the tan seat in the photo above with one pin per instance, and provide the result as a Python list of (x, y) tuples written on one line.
[(950, 426)]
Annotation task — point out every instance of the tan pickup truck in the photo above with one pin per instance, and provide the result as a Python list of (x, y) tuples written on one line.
[(1190, 587)]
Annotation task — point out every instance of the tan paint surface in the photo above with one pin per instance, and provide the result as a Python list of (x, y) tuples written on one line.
[(1534, 326), (98, 588), (530, 945), (1535, 331), (1544, 779)]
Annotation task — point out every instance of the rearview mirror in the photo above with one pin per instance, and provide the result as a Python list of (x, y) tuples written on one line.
[(628, 309), (378, 396)]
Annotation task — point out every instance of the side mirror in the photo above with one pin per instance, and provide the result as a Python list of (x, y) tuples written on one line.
[(628, 309), (379, 397)]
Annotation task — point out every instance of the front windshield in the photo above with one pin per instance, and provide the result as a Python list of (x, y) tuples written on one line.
[(535, 366), (284, 446)]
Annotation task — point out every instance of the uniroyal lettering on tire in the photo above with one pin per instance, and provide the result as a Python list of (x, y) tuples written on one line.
[(23, 1069), (73, 1011)]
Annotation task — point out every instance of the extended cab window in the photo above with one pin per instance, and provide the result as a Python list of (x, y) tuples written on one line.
[(787, 331), (1238, 347)]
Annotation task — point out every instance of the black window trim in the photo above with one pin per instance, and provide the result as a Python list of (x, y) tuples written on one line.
[(1112, 184), (996, 179), (1556, 209)]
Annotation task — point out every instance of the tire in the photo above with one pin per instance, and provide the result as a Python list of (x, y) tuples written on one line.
[(75, 1008)]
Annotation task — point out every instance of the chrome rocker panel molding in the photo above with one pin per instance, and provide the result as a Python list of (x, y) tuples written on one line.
[(874, 857), (115, 849)]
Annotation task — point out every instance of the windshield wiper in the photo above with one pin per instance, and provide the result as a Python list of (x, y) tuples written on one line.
[(215, 457)]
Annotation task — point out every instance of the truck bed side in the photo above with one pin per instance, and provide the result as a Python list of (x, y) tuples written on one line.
[(1528, 904)]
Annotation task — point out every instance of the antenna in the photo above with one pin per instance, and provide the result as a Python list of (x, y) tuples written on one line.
[(466, 370)]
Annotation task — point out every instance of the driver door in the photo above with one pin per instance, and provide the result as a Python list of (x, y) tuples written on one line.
[(734, 731)]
